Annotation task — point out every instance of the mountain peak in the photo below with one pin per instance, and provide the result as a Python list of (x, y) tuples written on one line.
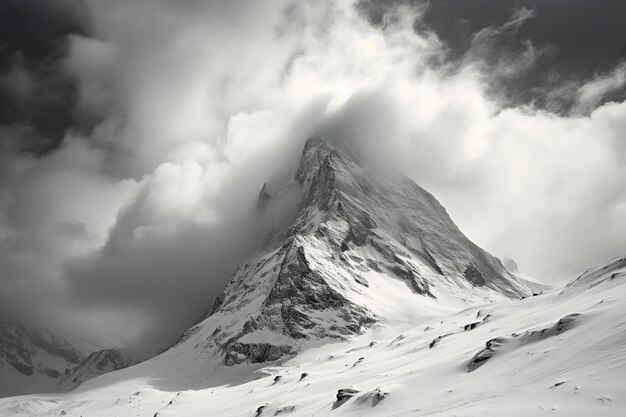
[(356, 247), (264, 197), (315, 153)]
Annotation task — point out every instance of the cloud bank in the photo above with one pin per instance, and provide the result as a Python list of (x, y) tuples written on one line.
[(137, 222)]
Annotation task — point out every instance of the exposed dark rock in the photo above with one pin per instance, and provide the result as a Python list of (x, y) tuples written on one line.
[(372, 264), (375, 396), (361, 359), (304, 375), (471, 326), (345, 394), (237, 353), (437, 339), (286, 409), (425, 254), (489, 351), (503, 344), (219, 300), (264, 198), (473, 275)]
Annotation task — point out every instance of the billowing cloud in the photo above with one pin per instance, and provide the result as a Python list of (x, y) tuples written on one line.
[(140, 221)]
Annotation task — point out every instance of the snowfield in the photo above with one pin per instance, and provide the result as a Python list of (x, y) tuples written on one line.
[(559, 353)]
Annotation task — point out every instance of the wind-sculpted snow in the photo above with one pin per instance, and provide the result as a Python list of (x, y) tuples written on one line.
[(558, 353), (372, 263), (499, 345), (614, 270)]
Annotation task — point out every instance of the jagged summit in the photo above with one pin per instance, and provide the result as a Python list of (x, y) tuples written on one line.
[(390, 212), (356, 247), (264, 197)]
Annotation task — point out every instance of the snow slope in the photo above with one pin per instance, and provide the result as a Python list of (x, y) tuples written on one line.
[(559, 353), (366, 299)]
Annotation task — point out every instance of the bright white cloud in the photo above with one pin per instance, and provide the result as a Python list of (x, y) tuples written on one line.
[(203, 101)]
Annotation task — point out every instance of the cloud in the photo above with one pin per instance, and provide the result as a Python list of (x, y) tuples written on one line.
[(591, 94), (138, 223)]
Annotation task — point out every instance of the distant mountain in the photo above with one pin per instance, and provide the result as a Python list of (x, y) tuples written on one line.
[(533, 284), (95, 364), (33, 359)]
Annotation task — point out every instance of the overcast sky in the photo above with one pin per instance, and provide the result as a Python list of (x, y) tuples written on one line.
[(135, 136)]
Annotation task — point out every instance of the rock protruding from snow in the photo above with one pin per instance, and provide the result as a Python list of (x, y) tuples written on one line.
[(499, 345), (264, 197), (344, 395)]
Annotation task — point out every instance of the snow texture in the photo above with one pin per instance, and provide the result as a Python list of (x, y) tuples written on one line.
[(367, 300)]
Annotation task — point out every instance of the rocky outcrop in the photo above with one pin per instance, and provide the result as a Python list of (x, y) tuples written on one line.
[(264, 198), (503, 344)]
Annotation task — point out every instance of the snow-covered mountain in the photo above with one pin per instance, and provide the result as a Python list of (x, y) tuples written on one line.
[(96, 363), (351, 245), (537, 287), (365, 299), (34, 359), (345, 245), (561, 352)]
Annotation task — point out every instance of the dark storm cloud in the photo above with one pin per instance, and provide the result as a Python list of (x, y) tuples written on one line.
[(576, 40), (172, 115), (34, 91)]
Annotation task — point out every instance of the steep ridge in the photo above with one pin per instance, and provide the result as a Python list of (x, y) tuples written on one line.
[(355, 246)]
